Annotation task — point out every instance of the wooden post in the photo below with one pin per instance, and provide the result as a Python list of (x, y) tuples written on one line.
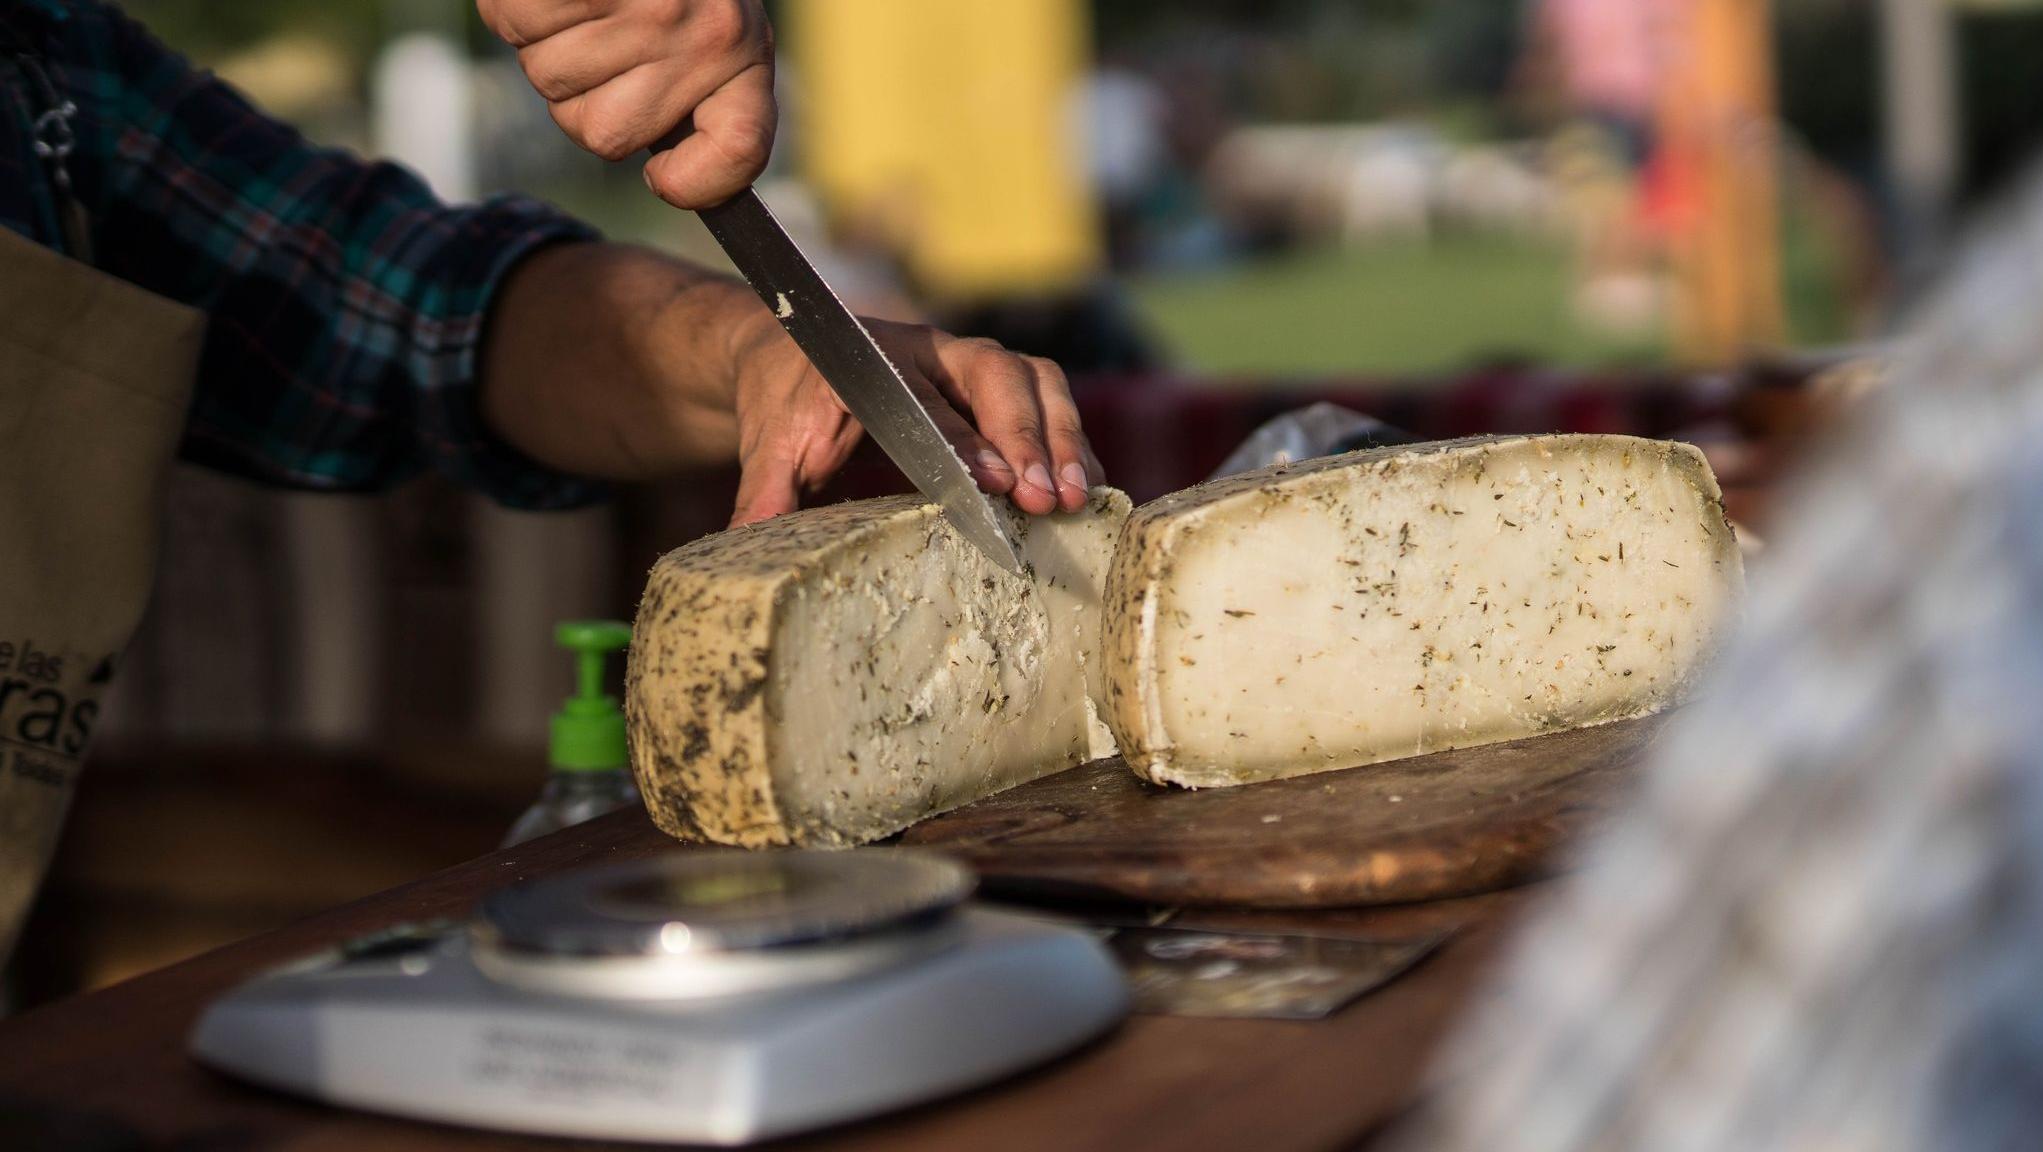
[(1718, 125), (1919, 54), (338, 589), (533, 570), (529, 571), (338, 610)]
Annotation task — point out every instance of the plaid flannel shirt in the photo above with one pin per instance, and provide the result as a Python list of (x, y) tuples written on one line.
[(346, 304)]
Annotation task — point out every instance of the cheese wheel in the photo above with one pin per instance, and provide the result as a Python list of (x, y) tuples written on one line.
[(831, 676), (1399, 601)]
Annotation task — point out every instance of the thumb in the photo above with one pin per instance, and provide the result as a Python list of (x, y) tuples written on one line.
[(729, 148), (768, 486)]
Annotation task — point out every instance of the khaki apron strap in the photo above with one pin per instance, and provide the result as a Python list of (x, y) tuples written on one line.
[(124, 335), (95, 380)]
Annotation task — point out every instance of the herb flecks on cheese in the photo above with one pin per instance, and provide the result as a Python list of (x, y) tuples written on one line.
[(832, 676), (1399, 601)]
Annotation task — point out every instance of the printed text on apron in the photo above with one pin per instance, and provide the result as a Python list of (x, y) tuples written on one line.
[(95, 378)]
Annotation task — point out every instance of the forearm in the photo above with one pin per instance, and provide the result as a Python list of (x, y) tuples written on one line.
[(622, 364), (615, 362)]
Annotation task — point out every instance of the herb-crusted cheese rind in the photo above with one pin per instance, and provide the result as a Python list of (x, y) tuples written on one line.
[(1399, 601), (832, 676)]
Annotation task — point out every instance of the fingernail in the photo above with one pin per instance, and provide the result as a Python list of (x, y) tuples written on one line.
[(992, 462), (1073, 475), (1040, 477)]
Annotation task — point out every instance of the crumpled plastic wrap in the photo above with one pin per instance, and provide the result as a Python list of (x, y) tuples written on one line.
[(1319, 430)]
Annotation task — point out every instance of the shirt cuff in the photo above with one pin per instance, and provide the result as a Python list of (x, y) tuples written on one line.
[(489, 241)]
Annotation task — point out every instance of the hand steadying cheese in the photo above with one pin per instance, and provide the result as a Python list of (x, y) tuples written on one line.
[(1399, 601), (621, 364), (833, 676), (618, 363)]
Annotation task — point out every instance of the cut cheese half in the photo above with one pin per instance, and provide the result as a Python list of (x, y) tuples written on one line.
[(1399, 601), (832, 676)]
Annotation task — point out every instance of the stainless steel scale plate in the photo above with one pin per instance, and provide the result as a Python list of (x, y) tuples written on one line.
[(706, 997)]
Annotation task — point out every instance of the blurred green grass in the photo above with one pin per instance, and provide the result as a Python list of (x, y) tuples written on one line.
[(1413, 309), (1393, 308)]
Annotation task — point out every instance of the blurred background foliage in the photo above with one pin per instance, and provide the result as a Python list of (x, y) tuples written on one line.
[(1346, 60), (1277, 303)]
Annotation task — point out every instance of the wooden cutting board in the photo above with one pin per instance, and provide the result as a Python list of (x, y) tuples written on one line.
[(1426, 828)]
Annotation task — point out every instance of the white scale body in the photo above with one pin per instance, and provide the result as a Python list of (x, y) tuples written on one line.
[(541, 1018)]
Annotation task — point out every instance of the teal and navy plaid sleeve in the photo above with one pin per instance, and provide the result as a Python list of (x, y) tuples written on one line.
[(347, 305)]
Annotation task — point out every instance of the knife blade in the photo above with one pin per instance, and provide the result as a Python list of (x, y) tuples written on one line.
[(852, 363)]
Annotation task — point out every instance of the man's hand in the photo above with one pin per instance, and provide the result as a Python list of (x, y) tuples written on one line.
[(623, 364), (1022, 439), (619, 75)]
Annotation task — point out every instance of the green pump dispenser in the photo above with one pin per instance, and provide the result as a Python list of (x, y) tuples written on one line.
[(588, 732)]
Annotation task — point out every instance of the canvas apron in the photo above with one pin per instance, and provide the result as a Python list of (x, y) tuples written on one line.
[(95, 378)]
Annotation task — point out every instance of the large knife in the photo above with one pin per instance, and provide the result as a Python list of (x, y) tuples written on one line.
[(851, 362)]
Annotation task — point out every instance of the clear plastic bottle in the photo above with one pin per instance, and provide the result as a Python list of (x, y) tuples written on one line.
[(589, 773), (569, 798)]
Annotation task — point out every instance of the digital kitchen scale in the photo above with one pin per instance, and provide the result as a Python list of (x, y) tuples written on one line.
[(707, 997)]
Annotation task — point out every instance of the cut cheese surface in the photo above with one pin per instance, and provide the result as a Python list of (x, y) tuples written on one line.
[(831, 676), (1399, 601)]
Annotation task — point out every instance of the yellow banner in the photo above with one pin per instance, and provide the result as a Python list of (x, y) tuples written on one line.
[(947, 130)]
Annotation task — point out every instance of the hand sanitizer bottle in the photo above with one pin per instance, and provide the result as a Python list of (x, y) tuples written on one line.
[(590, 775)]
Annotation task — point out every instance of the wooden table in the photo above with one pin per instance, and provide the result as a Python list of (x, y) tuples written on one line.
[(173, 850), (1165, 1083)]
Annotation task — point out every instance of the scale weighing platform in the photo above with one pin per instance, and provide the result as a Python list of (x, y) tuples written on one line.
[(703, 997)]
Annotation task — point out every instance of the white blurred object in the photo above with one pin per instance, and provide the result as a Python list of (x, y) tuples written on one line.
[(1622, 303), (424, 102), (1120, 119), (1492, 187), (1380, 187), (1357, 183), (1819, 926), (1924, 121)]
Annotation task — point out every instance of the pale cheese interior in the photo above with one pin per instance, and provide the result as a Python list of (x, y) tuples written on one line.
[(910, 674), (1401, 602)]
